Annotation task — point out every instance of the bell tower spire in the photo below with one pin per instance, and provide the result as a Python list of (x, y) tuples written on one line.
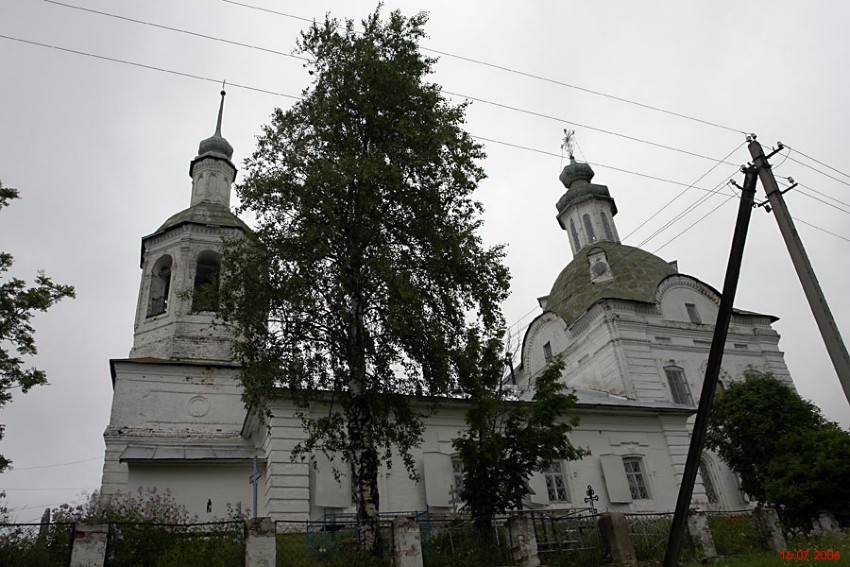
[(182, 257), (211, 171)]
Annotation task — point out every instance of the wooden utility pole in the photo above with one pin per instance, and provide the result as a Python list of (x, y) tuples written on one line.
[(712, 370), (817, 302)]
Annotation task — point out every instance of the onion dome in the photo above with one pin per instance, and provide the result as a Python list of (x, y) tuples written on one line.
[(576, 178), (215, 146)]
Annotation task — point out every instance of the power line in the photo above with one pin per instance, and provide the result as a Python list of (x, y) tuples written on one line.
[(178, 30), (595, 164), (685, 190), (529, 75), (150, 67), (836, 207), (54, 465), (821, 229), (699, 220), (817, 162), (819, 171), (823, 194), (274, 93), (476, 99), (585, 126)]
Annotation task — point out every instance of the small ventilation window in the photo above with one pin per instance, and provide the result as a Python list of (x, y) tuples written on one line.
[(205, 296), (160, 287), (547, 351), (693, 314)]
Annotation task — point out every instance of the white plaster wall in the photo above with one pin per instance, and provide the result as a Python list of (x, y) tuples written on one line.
[(194, 485)]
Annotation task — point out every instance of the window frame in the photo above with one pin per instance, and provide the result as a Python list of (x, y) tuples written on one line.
[(636, 479), (680, 389), (693, 313), (551, 474)]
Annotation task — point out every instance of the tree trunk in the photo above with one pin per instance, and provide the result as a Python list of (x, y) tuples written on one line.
[(365, 465), (361, 440)]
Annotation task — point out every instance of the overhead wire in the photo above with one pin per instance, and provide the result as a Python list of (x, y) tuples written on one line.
[(528, 75), (14, 468), (687, 188), (178, 30), (818, 162), (819, 171), (450, 93), (149, 67)]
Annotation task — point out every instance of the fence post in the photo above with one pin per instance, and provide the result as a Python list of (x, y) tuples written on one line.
[(523, 541), (826, 522), (701, 534), (260, 543), (407, 543), (89, 547), (770, 526), (614, 529)]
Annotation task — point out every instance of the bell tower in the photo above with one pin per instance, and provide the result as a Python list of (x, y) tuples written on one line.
[(183, 256), (586, 211)]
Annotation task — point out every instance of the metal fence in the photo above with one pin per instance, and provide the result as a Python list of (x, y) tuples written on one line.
[(212, 544), (25, 545), (568, 537), (649, 534)]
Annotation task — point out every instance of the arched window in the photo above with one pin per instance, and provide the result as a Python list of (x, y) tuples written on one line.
[(588, 228), (750, 373), (160, 286), (606, 227), (205, 295), (574, 234), (707, 482), (679, 387)]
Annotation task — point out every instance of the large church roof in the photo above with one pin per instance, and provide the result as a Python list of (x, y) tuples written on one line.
[(636, 275)]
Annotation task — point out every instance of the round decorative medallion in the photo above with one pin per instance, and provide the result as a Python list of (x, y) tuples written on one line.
[(198, 406)]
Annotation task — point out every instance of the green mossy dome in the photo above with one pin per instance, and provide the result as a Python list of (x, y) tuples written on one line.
[(637, 274)]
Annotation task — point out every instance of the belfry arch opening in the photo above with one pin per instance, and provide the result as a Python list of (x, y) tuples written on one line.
[(160, 286), (205, 288)]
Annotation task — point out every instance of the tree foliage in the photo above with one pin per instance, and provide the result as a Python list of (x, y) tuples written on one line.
[(18, 304), (782, 448), (366, 270), (509, 439)]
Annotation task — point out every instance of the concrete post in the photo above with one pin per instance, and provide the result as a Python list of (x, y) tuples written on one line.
[(407, 546), (614, 529), (523, 541), (770, 527), (701, 535), (260, 543), (826, 522), (89, 549)]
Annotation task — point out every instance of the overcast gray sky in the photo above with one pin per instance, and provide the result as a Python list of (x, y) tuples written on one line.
[(100, 151)]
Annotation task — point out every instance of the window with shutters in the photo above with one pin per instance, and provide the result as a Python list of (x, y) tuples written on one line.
[(634, 476), (679, 388), (556, 483)]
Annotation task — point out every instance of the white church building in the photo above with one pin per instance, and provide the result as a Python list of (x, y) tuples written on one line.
[(633, 331)]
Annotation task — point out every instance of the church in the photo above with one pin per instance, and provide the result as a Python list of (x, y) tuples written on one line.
[(633, 331)]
